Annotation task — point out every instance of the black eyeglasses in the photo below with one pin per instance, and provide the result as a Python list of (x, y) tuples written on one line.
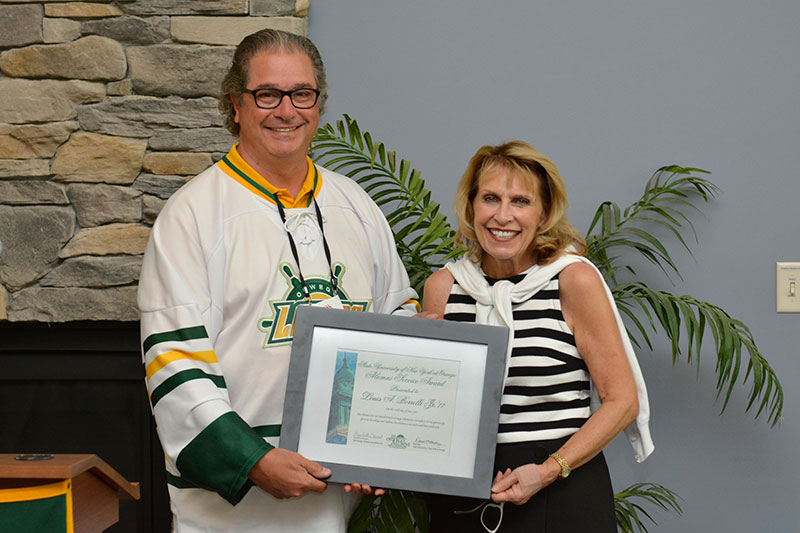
[(303, 98)]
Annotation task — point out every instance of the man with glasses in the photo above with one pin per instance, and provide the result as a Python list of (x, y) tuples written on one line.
[(232, 255)]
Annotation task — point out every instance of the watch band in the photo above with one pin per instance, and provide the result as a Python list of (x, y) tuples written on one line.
[(565, 469)]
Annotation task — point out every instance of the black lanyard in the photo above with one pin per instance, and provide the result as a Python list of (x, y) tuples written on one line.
[(334, 282)]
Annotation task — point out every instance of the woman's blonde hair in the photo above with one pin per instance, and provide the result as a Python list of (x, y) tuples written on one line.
[(554, 234)]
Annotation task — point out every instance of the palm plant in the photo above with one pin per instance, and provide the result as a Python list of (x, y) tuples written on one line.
[(669, 193), (425, 240), (423, 235)]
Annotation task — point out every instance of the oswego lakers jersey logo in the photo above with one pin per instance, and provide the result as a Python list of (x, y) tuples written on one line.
[(280, 326)]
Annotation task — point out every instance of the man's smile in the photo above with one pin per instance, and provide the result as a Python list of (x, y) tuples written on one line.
[(283, 129)]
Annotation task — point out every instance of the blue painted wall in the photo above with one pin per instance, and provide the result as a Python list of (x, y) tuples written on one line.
[(611, 91)]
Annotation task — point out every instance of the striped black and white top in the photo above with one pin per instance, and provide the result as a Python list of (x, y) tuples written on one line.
[(546, 394)]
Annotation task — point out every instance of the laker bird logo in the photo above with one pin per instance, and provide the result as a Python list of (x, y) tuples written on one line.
[(280, 326)]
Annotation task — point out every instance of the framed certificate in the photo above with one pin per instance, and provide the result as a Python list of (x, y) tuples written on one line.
[(396, 402)]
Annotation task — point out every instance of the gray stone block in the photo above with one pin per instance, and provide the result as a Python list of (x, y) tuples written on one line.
[(158, 185), (170, 69), (185, 7), (20, 25), (99, 204), (151, 207), (32, 192), (32, 239), (196, 140), (46, 304), (272, 8), (130, 30), (143, 116), (97, 272)]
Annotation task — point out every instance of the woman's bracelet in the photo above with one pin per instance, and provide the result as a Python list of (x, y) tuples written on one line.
[(565, 469)]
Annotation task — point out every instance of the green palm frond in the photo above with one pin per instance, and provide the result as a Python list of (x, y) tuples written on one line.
[(668, 195), (677, 315), (423, 235), (628, 510), (396, 511)]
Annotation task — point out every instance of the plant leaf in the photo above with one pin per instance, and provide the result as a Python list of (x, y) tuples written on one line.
[(424, 238), (628, 511)]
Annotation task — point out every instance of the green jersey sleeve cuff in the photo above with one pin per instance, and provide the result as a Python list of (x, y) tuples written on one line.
[(221, 456)]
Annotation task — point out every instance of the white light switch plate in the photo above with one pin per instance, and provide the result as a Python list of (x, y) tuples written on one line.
[(788, 287)]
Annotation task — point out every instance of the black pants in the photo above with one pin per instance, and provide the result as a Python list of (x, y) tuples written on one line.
[(583, 502)]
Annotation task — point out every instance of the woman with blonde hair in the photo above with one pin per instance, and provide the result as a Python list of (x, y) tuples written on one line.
[(524, 268)]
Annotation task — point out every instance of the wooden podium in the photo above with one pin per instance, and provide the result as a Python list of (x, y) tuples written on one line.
[(96, 488)]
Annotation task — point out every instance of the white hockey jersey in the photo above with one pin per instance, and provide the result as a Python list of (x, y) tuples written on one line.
[(218, 292)]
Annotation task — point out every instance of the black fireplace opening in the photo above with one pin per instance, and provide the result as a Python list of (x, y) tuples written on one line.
[(79, 387)]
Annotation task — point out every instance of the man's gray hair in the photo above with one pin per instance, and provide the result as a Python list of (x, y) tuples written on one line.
[(269, 40)]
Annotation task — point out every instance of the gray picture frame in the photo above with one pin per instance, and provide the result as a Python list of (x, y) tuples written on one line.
[(398, 331)]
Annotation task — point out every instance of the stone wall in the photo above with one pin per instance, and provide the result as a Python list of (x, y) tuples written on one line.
[(106, 108)]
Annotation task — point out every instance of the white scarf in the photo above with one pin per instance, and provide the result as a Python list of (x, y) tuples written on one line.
[(494, 307)]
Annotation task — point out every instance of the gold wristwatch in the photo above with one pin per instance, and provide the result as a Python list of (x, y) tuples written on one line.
[(565, 469)]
